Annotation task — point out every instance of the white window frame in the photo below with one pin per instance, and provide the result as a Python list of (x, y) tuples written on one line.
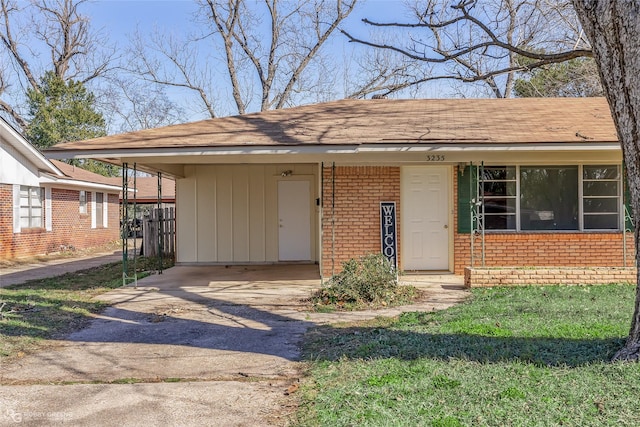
[(18, 206), (105, 210), (93, 209), (580, 195), (82, 199)]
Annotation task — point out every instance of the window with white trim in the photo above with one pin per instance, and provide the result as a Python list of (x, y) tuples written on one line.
[(601, 191), (83, 201), (99, 210), (534, 198), (31, 207), (500, 194)]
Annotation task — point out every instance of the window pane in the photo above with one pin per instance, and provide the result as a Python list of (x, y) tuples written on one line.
[(549, 198), (499, 205), (500, 213), (36, 199), (600, 172), (499, 222), (24, 222), (602, 188), (36, 222), (609, 205), (497, 188), (499, 173), (601, 222)]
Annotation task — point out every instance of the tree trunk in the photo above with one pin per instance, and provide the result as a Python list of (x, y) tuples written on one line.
[(613, 28)]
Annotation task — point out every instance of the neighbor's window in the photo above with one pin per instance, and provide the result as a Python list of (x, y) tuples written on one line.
[(31, 211), (549, 198), (99, 209), (500, 191), (601, 197), (83, 202)]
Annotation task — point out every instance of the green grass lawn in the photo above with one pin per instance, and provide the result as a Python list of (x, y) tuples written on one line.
[(535, 356), (49, 308)]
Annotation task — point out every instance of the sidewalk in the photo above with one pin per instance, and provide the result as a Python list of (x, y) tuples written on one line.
[(42, 269)]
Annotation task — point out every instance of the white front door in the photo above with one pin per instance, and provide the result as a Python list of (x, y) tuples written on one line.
[(425, 217), (294, 220)]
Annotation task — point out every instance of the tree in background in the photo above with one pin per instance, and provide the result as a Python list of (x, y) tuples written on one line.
[(62, 111), (271, 54), (53, 29), (483, 43), (574, 78)]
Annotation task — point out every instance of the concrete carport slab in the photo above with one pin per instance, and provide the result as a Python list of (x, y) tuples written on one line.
[(229, 334)]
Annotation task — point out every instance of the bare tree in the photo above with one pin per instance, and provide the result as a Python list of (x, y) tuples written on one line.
[(613, 27), (136, 104), (480, 41), (57, 29), (270, 50)]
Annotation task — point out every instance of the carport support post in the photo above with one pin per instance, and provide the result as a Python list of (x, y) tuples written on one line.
[(124, 227), (160, 223)]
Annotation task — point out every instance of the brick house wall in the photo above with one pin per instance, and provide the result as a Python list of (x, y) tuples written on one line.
[(69, 227), (358, 193), (360, 189)]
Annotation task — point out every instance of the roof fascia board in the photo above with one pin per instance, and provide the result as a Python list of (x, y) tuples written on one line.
[(327, 149), (23, 146), (50, 181)]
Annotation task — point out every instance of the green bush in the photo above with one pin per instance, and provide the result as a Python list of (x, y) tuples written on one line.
[(371, 280)]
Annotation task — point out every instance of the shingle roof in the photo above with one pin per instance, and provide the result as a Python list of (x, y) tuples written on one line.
[(406, 121), (147, 189), (79, 174)]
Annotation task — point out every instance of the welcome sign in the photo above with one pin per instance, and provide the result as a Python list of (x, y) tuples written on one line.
[(388, 235)]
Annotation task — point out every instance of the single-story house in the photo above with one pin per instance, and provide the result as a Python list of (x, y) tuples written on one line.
[(435, 184), (49, 206)]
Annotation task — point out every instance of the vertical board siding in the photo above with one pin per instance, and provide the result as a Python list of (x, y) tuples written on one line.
[(186, 214), (229, 213), (257, 226), (240, 210), (224, 209), (206, 215)]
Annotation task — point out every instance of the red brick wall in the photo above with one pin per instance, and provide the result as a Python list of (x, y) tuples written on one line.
[(360, 189), (358, 193), (542, 249), (69, 227), (6, 220), (488, 277)]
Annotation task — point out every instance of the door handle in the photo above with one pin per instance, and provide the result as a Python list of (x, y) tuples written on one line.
[(446, 226)]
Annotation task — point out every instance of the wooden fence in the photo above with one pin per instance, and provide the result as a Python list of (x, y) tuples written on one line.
[(159, 227)]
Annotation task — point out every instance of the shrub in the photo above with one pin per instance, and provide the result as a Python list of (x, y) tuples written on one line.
[(371, 280)]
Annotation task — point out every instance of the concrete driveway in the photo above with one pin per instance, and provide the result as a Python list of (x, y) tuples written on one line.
[(193, 346)]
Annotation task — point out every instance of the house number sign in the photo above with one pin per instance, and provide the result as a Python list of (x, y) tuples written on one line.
[(388, 235)]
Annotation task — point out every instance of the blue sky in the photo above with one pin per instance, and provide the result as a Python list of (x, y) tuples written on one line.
[(120, 17)]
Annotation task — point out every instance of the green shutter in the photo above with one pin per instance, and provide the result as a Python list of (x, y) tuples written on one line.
[(467, 189)]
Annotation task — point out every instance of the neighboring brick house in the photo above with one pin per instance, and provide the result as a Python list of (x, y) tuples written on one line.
[(541, 178), (48, 206)]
